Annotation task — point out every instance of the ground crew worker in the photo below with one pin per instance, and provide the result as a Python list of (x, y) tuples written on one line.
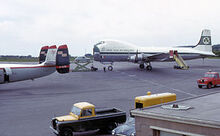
[(104, 69)]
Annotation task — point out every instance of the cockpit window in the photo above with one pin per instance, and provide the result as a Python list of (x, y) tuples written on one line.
[(99, 43)]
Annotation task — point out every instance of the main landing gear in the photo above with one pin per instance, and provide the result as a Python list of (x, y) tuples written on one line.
[(148, 67), (141, 66)]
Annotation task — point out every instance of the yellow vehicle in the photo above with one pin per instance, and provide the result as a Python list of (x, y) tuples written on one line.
[(84, 117), (154, 99)]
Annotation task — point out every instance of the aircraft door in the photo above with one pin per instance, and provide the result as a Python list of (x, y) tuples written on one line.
[(1, 76), (7, 73)]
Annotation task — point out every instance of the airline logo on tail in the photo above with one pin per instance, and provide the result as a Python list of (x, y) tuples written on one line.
[(206, 40)]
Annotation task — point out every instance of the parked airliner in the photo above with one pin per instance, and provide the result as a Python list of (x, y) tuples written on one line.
[(116, 51), (50, 59)]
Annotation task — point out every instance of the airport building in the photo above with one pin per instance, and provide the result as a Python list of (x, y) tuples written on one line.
[(196, 116)]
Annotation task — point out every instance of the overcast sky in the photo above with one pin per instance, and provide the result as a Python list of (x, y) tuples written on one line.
[(26, 25)]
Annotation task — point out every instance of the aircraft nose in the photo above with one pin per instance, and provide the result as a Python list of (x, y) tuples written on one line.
[(96, 53), (97, 57), (96, 49)]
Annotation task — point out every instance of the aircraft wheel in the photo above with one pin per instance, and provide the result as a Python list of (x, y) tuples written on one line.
[(110, 68), (149, 68), (141, 66)]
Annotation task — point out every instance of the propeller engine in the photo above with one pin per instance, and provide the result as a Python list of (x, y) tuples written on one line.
[(137, 57)]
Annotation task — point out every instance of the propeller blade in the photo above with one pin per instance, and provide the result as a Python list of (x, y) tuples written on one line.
[(136, 57)]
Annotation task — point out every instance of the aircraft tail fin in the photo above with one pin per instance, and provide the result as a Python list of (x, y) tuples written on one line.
[(205, 43), (62, 59), (51, 56), (43, 54)]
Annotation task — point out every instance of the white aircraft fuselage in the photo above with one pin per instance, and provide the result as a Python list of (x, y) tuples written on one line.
[(51, 59), (113, 51), (116, 51), (18, 72)]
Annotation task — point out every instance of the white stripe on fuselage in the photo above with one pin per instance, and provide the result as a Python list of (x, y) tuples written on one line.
[(151, 50)]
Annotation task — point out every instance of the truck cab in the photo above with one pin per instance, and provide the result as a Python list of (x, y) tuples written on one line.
[(210, 79), (84, 117), (79, 111)]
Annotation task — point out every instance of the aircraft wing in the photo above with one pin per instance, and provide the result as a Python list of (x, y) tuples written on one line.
[(157, 57)]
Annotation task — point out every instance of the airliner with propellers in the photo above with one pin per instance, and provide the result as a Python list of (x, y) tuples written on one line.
[(109, 51)]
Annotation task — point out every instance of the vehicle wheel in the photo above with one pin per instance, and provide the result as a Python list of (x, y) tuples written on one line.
[(141, 66), (110, 68), (67, 132), (209, 86), (108, 129), (200, 86), (149, 68), (112, 126)]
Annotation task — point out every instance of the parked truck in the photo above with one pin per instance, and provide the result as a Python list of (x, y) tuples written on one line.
[(210, 79), (84, 117)]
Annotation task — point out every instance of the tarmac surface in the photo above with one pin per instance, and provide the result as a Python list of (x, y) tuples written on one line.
[(26, 107)]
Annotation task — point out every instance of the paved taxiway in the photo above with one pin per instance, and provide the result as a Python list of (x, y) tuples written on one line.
[(27, 107)]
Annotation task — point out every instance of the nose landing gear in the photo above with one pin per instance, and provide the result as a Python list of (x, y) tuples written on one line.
[(110, 68)]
